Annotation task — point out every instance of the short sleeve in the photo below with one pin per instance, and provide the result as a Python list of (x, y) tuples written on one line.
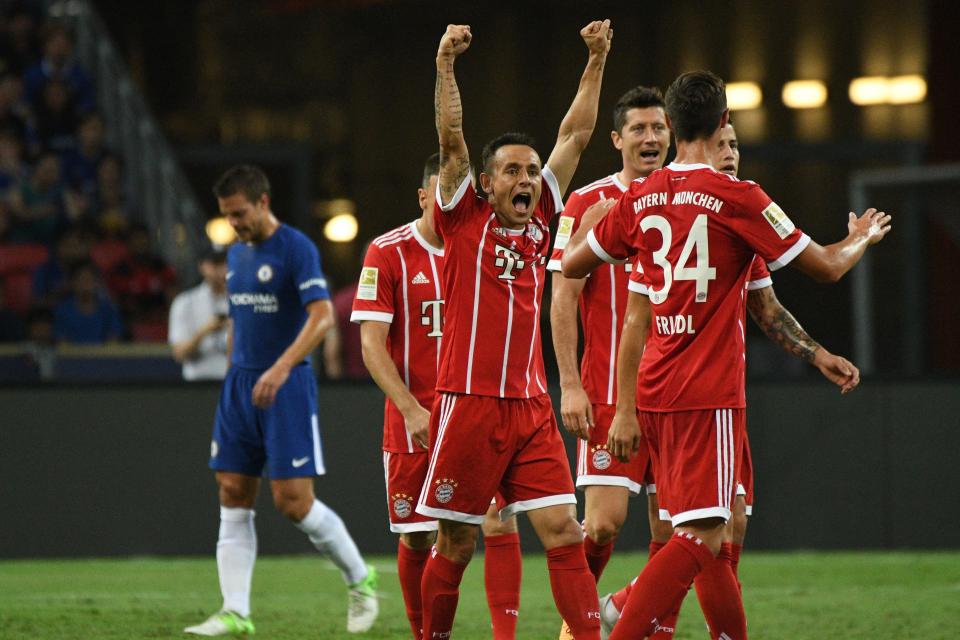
[(566, 227), (759, 277), (309, 278), (463, 203), (611, 238), (374, 299), (766, 228), (551, 199), (638, 281), (177, 326)]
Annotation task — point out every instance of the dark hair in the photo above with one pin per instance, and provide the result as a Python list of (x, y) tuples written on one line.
[(695, 102), (430, 168), (243, 178), (639, 97), (490, 149)]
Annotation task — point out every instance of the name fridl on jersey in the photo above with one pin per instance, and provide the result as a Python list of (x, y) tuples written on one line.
[(261, 302), (671, 325), (659, 199)]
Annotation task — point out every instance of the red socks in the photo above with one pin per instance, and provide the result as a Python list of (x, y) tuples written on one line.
[(597, 556), (735, 550), (661, 586), (719, 596), (668, 625), (574, 591), (440, 592), (502, 568), (410, 563)]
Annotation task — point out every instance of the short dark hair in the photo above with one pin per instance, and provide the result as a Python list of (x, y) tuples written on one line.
[(490, 149), (430, 168), (639, 97), (695, 102), (247, 179)]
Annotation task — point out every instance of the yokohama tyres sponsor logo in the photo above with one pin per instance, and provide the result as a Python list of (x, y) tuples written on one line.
[(261, 302)]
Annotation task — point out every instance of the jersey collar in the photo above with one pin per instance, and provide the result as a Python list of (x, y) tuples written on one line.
[(620, 185), (677, 166), (423, 241)]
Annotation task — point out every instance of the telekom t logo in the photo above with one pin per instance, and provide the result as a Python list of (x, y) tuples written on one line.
[(432, 317), (508, 261)]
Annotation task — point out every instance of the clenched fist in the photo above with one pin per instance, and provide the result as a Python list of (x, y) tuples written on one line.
[(597, 35), (455, 41)]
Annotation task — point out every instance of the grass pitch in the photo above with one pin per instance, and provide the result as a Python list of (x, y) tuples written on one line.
[(796, 596)]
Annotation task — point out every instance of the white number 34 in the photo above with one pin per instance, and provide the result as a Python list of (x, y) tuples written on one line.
[(702, 273)]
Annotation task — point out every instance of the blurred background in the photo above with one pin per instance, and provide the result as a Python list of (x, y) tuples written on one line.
[(117, 117)]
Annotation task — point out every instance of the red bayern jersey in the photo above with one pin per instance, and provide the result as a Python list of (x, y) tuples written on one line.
[(401, 285), (603, 300), (695, 232), (493, 281)]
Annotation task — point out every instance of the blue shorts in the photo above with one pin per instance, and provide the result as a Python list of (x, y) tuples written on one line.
[(286, 435)]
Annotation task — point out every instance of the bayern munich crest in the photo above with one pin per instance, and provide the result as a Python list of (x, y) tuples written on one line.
[(602, 458), (444, 491), (264, 273), (401, 505)]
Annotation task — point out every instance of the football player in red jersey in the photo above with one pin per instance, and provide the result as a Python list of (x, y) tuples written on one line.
[(492, 426), (689, 390), (781, 327), (588, 392), (399, 305)]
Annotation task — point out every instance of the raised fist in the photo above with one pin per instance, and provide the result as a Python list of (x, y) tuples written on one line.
[(597, 35), (455, 41)]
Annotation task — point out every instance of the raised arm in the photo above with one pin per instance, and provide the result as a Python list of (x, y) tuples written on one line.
[(578, 124), (448, 112), (829, 263), (624, 437), (781, 327)]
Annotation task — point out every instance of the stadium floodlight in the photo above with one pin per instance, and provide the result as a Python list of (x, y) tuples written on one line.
[(743, 95), (341, 228), (220, 232), (804, 94), (869, 90), (906, 89)]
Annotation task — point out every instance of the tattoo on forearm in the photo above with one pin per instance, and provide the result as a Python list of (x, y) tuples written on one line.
[(448, 111), (779, 324)]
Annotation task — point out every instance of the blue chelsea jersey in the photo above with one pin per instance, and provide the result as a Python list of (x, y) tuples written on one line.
[(269, 285)]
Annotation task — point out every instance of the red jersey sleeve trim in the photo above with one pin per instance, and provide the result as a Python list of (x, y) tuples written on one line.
[(600, 251), (790, 253), (762, 283), (553, 265), (554, 186), (377, 316), (457, 197), (638, 287)]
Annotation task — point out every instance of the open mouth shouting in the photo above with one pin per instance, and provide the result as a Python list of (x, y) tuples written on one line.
[(522, 202), (650, 155)]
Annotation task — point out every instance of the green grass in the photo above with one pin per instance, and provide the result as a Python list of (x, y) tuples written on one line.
[(794, 596)]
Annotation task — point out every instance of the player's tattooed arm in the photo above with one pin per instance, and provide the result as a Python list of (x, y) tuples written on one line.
[(448, 112), (781, 327), (779, 324), (578, 124)]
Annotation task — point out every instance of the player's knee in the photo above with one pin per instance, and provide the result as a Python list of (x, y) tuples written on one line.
[(457, 541), (561, 532), (234, 492), (708, 530), (418, 540), (292, 504), (739, 528), (601, 528), (660, 530), (493, 526)]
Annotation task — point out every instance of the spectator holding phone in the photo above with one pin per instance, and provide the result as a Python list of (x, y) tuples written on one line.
[(198, 322)]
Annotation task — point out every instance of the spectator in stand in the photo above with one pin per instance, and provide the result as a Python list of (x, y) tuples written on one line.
[(81, 164), (19, 45), (51, 280), (144, 285), (13, 170), (40, 215), (86, 315), (198, 322), (15, 114), (109, 201), (11, 326), (56, 118), (347, 340), (58, 63)]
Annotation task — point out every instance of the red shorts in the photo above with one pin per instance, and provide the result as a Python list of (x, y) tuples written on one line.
[(481, 444), (745, 481), (404, 474), (696, 456), (597, 466)]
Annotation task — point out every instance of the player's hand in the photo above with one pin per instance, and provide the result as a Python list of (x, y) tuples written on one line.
[(624, 438), (455, 41), (417, 422), (576, 412), (597, 35), (837, 370), (872, 225), (595, 213), (265, 391)]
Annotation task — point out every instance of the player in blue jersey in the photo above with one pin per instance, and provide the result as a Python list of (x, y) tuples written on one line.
[(279, 310)]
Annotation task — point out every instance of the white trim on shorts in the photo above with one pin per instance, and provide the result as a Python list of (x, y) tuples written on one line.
[(318, 466), (610, 481), (697, 514), (514, 508), (447, 514), (414, 527)]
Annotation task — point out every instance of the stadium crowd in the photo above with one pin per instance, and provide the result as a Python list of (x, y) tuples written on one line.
[(77, 264)]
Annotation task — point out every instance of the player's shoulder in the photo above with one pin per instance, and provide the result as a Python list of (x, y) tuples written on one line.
[(293, 235), (398, 235), (596, 186)]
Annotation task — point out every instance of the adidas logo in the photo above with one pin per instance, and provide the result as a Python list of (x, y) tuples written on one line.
[(420, 279)]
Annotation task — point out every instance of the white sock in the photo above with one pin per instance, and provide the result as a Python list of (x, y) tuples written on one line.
[(329, 535), (236, 553)]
